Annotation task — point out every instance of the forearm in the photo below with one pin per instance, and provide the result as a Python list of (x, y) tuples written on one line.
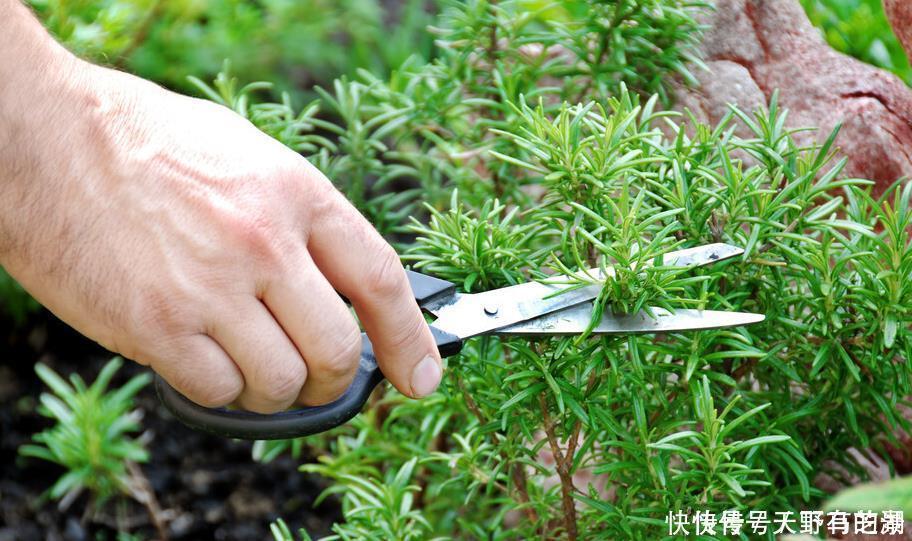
[(23, 41), (43, 101), (32, 65), (38, 82)]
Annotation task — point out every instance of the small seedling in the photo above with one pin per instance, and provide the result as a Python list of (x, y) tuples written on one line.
[(91, 436)]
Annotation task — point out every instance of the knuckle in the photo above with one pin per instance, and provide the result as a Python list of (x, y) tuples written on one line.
[(258, 237), (385, 277), (408, 335), (216, 392), (342, 359), (200, 372), (219, 394), (322, 197), (282, 385)]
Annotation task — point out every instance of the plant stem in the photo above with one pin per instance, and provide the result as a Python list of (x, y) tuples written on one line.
[(517, 471), (141, 490), (562, 464)]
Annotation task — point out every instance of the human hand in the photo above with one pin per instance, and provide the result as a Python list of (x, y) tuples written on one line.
[(172, 231)]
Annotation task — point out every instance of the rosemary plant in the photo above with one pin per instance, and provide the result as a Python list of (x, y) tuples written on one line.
[(166, 40), (90, 437), (600, 437)]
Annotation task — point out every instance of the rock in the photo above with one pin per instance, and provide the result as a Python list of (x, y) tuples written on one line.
[(247, 503), (899, 12), (74, 530), (753, 47), (181, 525), (200, 481)]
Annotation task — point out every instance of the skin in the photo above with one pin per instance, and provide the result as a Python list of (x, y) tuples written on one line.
[(170, 230)]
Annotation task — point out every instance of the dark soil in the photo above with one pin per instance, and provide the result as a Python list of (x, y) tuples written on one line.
[(207, 487)]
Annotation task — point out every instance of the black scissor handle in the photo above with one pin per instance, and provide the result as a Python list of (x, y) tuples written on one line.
[(309, 420)]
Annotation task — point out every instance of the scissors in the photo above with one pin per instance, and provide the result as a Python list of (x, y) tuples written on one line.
[(532, 308)]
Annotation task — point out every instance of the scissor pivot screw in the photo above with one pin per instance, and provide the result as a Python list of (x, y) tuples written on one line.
[(491, 309)]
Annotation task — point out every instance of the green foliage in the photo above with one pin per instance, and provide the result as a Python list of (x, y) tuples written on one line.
[(860, 28), (281, 532), (17, 303), (376, 507), (400, 140), (291, 42), (479, 252), (90, 435), (593, 45), (712, 467), (895, 494), (599, 437)]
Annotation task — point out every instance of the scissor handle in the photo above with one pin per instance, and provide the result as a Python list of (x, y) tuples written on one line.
[(309, 420)]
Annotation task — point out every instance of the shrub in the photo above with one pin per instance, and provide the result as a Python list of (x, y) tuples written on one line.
[(293, 43), (602, 436), (859, 28), (893, 495), (90, 437)]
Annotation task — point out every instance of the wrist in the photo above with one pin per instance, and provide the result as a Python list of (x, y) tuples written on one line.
[(39, 80), (45, 94)]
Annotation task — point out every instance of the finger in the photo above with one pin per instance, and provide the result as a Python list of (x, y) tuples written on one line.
[(367, 271), (198, 368), (273, 370), (321, 326)]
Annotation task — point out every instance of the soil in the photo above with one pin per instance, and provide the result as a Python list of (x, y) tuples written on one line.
[(207, 487)]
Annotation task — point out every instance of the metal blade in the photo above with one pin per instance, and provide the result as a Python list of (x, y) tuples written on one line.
[(575, 320), (467, 315), (701, 255), (689, 257)]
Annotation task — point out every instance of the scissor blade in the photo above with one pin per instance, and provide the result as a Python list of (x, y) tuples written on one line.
[(697, 256), (467, 315), (701, 255), (576, 319)]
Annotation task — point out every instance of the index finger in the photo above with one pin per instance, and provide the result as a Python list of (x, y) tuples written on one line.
[(363, 267)]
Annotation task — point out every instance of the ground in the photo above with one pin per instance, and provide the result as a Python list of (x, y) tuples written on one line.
[(208, 487)]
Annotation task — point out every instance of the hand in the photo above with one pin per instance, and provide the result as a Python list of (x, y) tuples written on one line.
[(172, 231)]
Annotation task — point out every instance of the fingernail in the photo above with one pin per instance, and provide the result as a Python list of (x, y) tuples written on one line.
[(425, 377)]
